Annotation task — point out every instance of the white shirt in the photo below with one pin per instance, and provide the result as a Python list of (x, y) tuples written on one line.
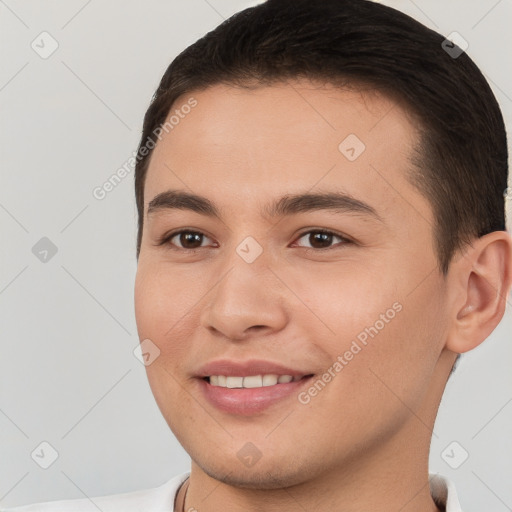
[(161, 499)]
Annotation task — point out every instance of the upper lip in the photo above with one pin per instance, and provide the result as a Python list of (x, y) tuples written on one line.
[(245, 368)]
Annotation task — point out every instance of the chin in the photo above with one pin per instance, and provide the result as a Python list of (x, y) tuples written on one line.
[(263, 475)]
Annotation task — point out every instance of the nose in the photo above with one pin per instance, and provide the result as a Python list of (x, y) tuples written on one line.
[(248, 300)]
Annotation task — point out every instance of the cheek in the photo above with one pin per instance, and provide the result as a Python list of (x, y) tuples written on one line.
[(161, 316), (163, 301), (345, 299), (379, 328), (167, 308), (396, 365)]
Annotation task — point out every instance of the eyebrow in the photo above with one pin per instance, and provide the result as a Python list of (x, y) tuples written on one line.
[(290, 204)]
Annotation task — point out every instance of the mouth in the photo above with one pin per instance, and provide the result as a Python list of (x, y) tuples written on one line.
[(251, 394)]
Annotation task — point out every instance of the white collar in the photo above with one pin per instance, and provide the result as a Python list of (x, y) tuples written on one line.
[(443, 491)]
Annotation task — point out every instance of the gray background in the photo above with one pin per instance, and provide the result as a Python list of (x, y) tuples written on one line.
[(68, 375)]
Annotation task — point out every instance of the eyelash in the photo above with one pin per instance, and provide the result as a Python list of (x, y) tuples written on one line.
[(165, 239)]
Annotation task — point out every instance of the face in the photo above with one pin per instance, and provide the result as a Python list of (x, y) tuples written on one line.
[(340, 293)]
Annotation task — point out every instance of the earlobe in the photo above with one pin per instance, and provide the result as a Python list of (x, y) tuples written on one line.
[(483, 277)]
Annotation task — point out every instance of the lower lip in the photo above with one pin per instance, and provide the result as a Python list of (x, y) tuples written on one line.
[(247, 401)]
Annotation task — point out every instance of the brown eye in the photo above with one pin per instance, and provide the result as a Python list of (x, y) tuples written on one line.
[(186, 239), (321, 239)]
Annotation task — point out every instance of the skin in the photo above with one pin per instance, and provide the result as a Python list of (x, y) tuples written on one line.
[(361, 443)]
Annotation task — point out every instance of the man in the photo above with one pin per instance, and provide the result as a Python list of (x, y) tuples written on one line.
[(321, 232)]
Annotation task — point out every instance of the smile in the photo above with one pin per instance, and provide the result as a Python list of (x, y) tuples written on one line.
[(251, 381), (253, 394)]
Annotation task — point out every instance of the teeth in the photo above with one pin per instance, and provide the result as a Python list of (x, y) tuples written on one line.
[(270, 380), (234, 382), (254, 381), (251, 381)]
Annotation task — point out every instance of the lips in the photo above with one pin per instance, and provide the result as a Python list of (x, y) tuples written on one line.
[(231, 368), (224, 384)]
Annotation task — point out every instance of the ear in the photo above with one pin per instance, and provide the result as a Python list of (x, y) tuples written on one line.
[(481, 281)]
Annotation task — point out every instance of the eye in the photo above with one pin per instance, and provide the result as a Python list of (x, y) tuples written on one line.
[(184, 239), (322, 239)]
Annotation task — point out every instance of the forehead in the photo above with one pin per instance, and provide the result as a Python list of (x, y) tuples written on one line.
[(246, 145)]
